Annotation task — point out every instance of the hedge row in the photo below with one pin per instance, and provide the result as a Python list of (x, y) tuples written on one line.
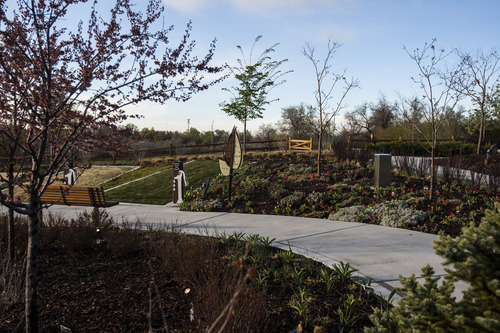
[(417, 148)]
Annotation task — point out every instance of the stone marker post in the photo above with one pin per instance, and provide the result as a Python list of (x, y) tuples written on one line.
[(180, 179), (382, 170)]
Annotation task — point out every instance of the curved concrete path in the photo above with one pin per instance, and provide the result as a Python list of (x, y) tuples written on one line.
[(378, 253)]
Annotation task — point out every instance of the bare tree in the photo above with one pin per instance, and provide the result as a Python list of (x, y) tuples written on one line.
[(383, 113), (369, 116), (326, 82), (61, 86), (476, 77), (438, 99), (298, 121), (413, 114), (359, 119)]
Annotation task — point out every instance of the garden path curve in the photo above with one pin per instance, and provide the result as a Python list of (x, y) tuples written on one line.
[(378, 253)]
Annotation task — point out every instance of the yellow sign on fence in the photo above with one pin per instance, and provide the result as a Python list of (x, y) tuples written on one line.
[(300, 144)]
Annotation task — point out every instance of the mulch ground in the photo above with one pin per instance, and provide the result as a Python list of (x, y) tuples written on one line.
[(95, 291)]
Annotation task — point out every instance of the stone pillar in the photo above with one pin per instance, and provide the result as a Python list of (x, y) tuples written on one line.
[(382, 170)]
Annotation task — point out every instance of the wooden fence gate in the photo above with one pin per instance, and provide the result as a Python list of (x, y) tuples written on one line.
[(300, 144)]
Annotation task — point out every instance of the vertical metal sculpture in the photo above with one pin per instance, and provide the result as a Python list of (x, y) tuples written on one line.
[(232, 159), (180, 181)]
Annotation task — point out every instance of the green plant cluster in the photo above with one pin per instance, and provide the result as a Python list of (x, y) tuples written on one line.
[(472, 258), (394, 213), (284, 186), (417, 148), (300, 278)]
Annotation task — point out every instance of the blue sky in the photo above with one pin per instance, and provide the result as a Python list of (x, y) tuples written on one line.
[(372, 33)]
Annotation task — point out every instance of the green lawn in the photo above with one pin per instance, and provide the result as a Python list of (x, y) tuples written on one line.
[(133, 175), (157, 189)]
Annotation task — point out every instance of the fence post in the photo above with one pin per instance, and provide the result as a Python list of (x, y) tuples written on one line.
[(311, 144), (289, 143), (170, 149), (349, 142)]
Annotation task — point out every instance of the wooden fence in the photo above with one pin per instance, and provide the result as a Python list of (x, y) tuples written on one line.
[(171, 150), (300, 144), (214, 148)]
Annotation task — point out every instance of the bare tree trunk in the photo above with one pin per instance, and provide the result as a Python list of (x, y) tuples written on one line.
[(481, 132), (10, 236), (319, 150), (431, 187), (484, 128), (244, 136), (31, 298), (433, 155)]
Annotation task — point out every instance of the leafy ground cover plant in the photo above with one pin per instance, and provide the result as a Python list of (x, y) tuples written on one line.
[(286, 184), (136, 279)]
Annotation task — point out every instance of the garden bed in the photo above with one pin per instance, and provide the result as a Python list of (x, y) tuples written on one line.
[(288, 184), (95, 277)]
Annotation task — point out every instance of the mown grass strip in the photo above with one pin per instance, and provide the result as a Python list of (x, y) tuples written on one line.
[(157, 189), (133, 175)]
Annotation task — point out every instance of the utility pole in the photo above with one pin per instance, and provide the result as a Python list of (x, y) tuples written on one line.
[(212, 133), (189, 120)]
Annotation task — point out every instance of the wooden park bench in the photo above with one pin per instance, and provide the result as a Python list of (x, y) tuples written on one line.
[(76, 196)]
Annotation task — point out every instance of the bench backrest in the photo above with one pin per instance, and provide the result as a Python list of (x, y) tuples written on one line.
[(76, 195)]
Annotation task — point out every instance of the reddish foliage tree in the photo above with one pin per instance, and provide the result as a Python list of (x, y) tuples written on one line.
[(58, 86)]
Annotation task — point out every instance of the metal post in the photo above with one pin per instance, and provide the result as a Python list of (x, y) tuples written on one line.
[(382, 170)]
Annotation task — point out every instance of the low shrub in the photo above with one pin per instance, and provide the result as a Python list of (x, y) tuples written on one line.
[(213, 281), (391, 214), (417, 148), (316, 198), (86, 230), (292, 200), (12, 275), (277, 191), (169, 160)]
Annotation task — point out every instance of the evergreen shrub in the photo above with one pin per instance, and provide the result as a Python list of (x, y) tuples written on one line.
[(473, 258), (417, 148)]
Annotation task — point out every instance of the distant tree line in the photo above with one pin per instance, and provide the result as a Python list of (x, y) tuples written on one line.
[(152, 137), (382, 119)]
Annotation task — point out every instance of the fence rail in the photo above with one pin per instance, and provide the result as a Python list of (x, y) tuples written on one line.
[(171, 150)]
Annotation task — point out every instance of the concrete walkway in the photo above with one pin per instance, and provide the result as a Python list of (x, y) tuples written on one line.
[(379, 253)]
